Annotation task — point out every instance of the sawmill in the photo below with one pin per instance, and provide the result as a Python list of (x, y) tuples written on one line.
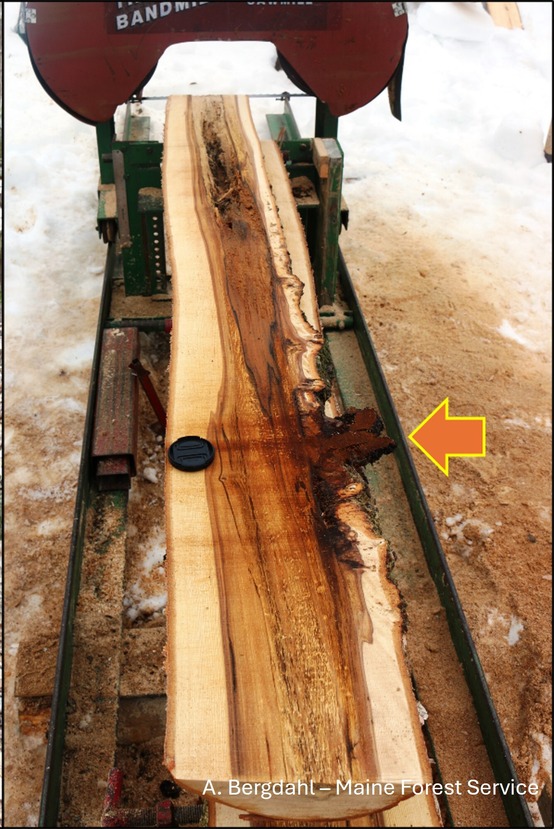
[(279, 686)]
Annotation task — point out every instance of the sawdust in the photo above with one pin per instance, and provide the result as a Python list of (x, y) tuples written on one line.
[(41, 462), (434, 315)]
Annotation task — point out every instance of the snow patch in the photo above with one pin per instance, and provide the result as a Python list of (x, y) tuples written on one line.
[(516, 627), (470, 530), (460, 21), (76, 355), (516, 139), (512, 627), (536, 816), (154, 556), (508, 331), (69, 404), (422, 713), (33, 601), (543, 424), (50, 526), (516, 421), (138, 604), (494, 617), (147, 595), (32, 818), (20, 477), (32, 741), (542, 761), (56, 493), (150, 474), (84, 723)]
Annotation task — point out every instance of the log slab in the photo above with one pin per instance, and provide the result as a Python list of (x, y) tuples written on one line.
[(505, 15), (284, 654)]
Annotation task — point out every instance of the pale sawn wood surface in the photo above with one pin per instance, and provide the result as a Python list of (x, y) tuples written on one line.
[(505, 15)]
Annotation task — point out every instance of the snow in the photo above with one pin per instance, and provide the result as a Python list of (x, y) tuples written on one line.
[(137, 603), (510, 333), (422, 712), (150, 474), (542, 763), (466, 162), (512, 627), (146, 594), (516, 627), (461, 21), (154, 554)]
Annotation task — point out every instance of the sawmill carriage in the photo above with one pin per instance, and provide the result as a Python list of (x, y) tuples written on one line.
[(285, 663)]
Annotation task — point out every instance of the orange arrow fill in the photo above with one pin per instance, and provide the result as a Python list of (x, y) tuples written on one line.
[(442, 437)]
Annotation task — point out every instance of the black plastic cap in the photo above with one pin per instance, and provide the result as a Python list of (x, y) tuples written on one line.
[(191, 453)]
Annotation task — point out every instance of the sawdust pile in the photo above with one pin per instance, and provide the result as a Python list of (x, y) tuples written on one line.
[(434, 309)]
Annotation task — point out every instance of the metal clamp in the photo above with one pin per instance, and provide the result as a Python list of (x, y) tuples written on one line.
[(164, 813)]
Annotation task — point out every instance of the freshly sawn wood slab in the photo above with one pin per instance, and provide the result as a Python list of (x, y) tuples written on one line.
[(505, 14), (284, 656)]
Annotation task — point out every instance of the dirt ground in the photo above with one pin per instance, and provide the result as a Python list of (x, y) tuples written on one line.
[(433, 310)]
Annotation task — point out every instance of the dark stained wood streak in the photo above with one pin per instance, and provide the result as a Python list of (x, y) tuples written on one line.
[(258, 473)]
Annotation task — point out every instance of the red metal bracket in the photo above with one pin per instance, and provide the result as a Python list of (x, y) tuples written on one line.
[(163, 814), (143, 375)]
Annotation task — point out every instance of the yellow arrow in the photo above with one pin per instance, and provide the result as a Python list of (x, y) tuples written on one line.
[(442, 437)]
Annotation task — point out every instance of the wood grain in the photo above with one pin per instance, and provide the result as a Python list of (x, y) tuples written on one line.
[(271, 646), (505, 15)]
